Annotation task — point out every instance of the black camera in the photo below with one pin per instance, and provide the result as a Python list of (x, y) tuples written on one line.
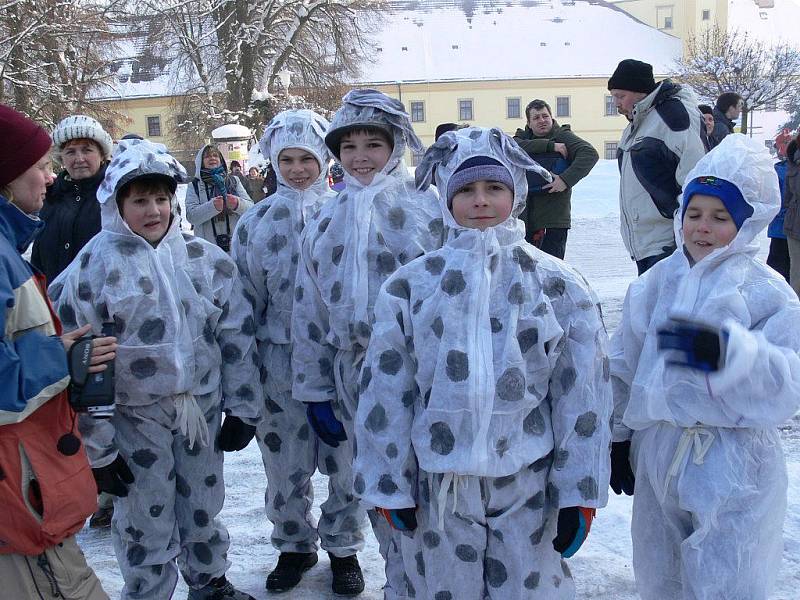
[(223, 241), (91, 393)]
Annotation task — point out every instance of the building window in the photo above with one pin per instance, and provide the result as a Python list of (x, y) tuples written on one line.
[(611, 106), (664, 17), (416, 158), (706, 15), (512, 108), (153, 127), (611, 150), (417, 111), (465, 110), (771, 106), (562, 106)]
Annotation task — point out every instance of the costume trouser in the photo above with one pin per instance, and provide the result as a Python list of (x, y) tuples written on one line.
[(347, 367), (171, 508), (794, 263), (716, 532), (58, 573), (292, 452), (495, 539)]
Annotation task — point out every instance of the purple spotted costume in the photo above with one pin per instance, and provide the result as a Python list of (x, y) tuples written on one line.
[(186, 338), (485, 399)]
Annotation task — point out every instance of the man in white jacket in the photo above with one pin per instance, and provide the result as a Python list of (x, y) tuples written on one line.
[(658, 148), (705, 366)]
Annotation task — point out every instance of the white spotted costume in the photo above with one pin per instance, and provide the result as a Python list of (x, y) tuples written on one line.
[(485, 399), (348, 250), (186, 339), (267, 248), (710, 493)]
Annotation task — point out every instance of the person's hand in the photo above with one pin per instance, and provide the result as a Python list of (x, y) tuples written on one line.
[(233, 202), (622, 477), (561, 149), (573, 527), (235, 434), (115, 478), (325, 424), (556, 186), (217, 200), (401, 519), (103, 348), (693, 345)]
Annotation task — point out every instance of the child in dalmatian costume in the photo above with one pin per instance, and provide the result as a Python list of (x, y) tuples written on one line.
[(348, 250), (186, 355), (483, 422), (267, 248)]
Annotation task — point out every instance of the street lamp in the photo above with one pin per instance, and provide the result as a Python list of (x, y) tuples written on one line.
[(285, 77)]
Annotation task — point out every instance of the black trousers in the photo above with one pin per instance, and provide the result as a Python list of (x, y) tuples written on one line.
[(647, 262), (778, 257), (554, 241)]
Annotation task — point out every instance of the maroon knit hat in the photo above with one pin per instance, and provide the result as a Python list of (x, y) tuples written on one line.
[(24, 143)]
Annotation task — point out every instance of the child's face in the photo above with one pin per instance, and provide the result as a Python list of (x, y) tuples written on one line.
[(707, 225), (298, 168), (363, 155), (147, 212), (482, 204)]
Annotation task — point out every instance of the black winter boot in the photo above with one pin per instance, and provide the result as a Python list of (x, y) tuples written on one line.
[(347, 577), (218, 589), (289, 570)]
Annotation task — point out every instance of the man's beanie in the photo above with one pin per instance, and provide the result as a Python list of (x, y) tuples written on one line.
[(79, 127), (475, 169), (727, 192), (633, 75), (24, 143)]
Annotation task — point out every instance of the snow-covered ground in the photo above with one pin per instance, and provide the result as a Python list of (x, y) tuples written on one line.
[(602, 568)]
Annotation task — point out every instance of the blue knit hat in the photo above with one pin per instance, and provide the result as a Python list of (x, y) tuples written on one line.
[(478, 168), (728, 193)]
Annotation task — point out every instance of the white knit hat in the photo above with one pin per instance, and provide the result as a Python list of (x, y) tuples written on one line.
[(82, 127)]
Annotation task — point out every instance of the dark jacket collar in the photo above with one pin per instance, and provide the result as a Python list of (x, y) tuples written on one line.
[(719, 117), (20, 229), (528, 134)]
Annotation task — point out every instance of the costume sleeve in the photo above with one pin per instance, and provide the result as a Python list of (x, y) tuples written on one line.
[(98, 439), (33, 365), (244, 198), (198, 211), (759, 384), (581, 406), (625, 348), (245, 253), (385, 467), (691, 150), (312, 355), (235, 334), (582, 156)]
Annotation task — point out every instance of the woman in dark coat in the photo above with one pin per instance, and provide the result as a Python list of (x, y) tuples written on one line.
[(71, 212)]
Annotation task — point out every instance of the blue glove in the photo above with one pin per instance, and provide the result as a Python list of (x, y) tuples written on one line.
[(401, 519), (696, 346), (573, 527), (324, 423)]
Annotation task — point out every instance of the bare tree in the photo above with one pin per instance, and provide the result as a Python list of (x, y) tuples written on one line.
[(54, 54), (228, 49), (718, 61)]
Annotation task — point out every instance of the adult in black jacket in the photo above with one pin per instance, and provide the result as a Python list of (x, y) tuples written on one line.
[(71, 213), (726, 111)]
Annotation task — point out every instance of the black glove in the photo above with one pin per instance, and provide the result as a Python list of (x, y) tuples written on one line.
[(114, 478), (695, 345), (235, 434), (574, 523), (401, 519), (622, 478)]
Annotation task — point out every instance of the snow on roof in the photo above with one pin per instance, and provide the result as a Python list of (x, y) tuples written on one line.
[(770, 24), (231, 131), (467, 40)]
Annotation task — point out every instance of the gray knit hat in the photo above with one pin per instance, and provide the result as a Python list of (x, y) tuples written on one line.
[(82, 127)]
